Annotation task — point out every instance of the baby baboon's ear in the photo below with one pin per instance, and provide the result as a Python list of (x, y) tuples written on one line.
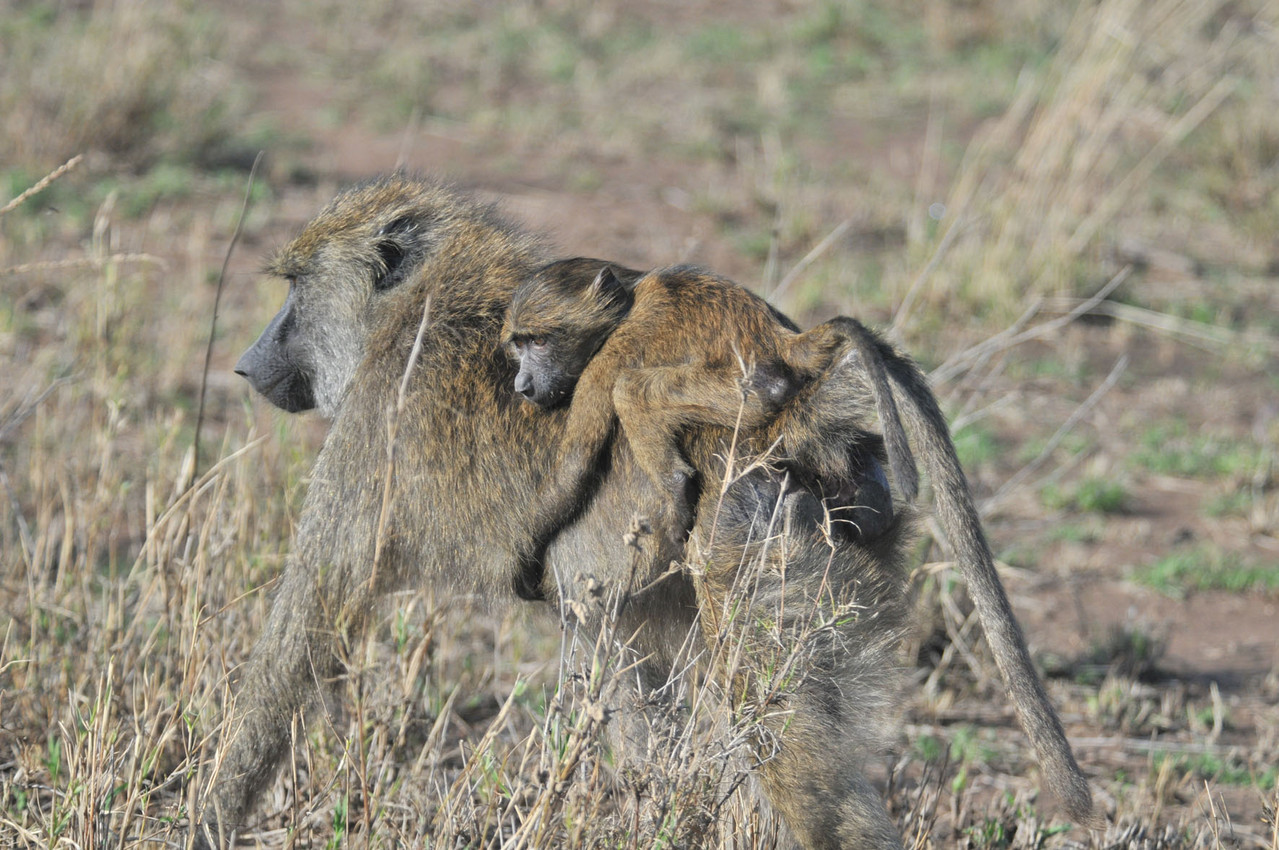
[(609, 289), (606, 283)]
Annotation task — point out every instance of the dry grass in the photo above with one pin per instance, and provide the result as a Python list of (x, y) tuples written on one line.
[(1055, 183), (133, 80), (132, 585)]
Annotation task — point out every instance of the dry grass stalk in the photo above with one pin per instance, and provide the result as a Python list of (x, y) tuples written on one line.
[(1038, 186), (41, 184)]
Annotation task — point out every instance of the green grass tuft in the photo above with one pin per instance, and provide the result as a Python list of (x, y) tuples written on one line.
[(1092, 495), (1226, 769), (1207, 568), (1170, 448)]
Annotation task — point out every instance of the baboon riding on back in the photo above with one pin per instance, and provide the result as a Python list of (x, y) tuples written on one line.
[(472, 457)]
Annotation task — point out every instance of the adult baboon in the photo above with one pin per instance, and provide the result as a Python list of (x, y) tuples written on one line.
[(662, 353), (471, 455)]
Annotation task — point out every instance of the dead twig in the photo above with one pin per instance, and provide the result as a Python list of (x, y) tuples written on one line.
[(912, 294), (811, 257), (392, 431), (1201, 334), (83, 262), (213, 323), (42, 184), (1013, 336)]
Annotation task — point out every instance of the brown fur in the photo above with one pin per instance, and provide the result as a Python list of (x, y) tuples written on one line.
[(667, 352), (470, 455)]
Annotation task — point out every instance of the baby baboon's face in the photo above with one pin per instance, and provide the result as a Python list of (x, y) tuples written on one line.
[(558, 319), (549, 369)]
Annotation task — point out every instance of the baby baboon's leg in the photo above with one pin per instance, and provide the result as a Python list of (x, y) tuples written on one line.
[(814, 351), (656, 405)]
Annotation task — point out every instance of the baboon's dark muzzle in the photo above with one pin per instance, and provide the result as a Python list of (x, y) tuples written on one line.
[(272, 370), (524, 385)]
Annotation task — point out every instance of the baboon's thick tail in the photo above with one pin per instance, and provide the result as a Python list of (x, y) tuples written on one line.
[(962, 525), (900, 459), (868, 347)]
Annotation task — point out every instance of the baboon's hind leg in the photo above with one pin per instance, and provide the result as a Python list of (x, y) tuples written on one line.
[(804, 635), (827, 805)]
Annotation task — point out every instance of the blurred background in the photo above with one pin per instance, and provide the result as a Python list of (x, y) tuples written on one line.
[(1068, 212)]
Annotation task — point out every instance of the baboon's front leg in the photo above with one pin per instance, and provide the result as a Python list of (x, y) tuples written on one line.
[(296, 659)]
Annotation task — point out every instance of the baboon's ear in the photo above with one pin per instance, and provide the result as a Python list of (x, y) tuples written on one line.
[(395, 242)]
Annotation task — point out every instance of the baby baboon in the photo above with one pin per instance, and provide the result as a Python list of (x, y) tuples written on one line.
[(471, 455), (675, 349)]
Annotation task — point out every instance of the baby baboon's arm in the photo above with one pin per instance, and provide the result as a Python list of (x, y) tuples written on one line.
[(568, 491)]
